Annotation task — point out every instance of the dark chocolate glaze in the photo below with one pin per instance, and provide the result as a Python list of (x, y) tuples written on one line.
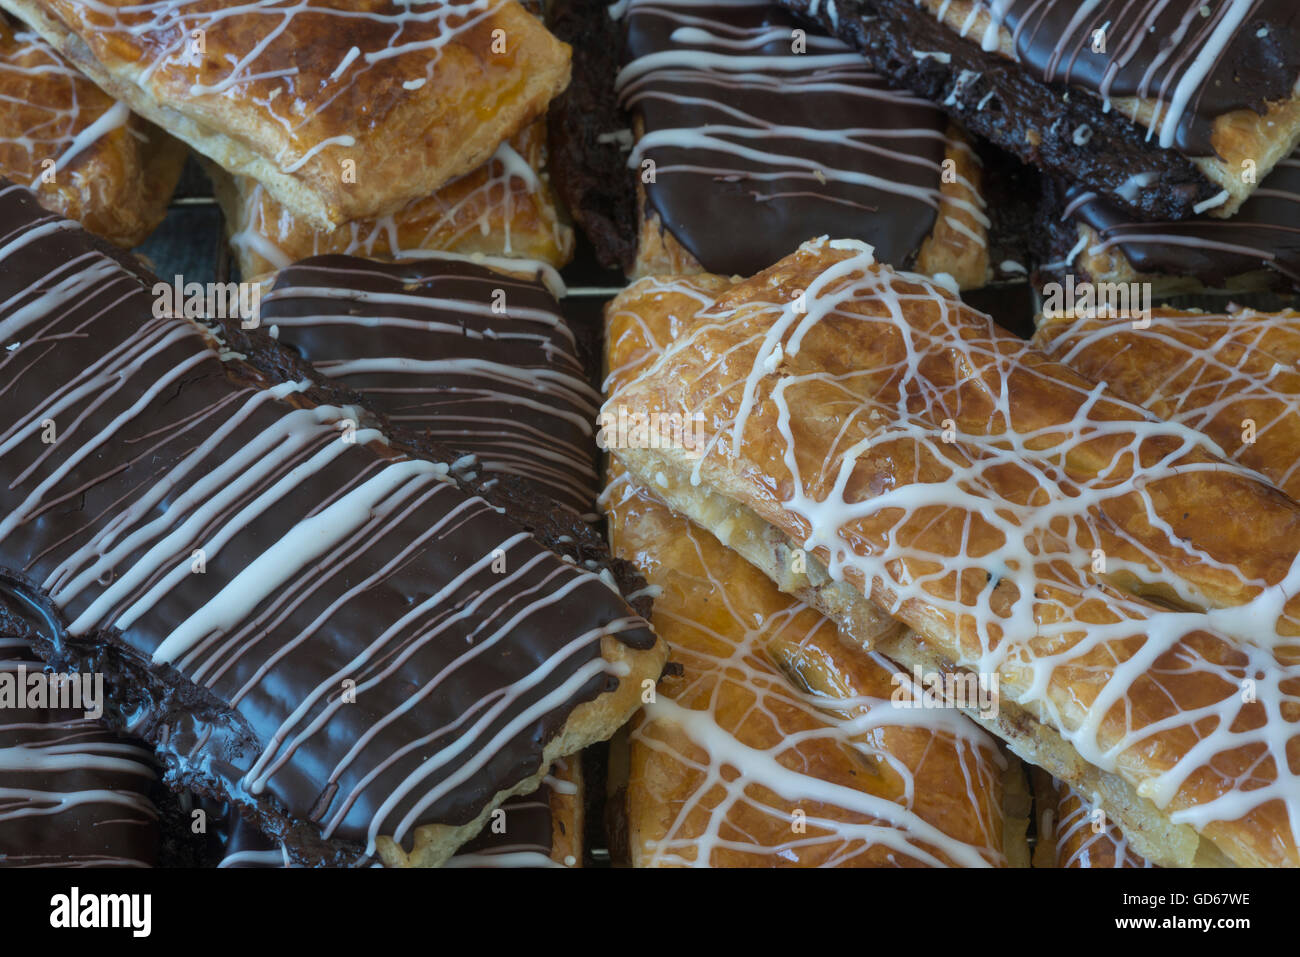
[(994, 97), (1150, 46), (784, 145), (1263, 234), (473, 359), (562, 530), (72, 793), (524, 839), (162, 449), (588, 166)]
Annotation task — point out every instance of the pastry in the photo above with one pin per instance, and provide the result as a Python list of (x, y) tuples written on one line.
[(1233, 378), (338, 637), (779, 745), (775, 742), (478, 360), (1166, 108), (72, 794), (1257, 248), (1073, 832), (504, 208), (85, 155), (542, 829), (395, 99), (1130, 588), (747, 135)]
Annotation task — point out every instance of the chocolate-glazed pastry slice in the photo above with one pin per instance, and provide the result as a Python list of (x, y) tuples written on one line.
[(1167, 108), (505, 208), (1257, 248), (542, 829), (469, 356), (302, 619), (749, 134), (72, 793)]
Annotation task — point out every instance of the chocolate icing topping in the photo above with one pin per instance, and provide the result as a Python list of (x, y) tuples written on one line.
[(72, 794), (1214, 56), (758, 148), (1263, 233), (297, 617), (524, 841), (477, 360), (995, 97)]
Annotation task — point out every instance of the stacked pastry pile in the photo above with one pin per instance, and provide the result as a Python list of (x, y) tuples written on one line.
[(377, 128), (359, 581), (351, 627)]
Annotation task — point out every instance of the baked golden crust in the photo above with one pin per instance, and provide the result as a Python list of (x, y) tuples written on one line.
[(341, 111), (112, 171), (780, 745), (503, 208), (1234, 378), (1072, 833), (1131, 590), (1102, 263), (770, 711)]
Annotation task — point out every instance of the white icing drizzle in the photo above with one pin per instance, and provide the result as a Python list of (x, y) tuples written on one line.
[(1188, 55), (734, 765), (1215, 372), (519, 401), (61, 742), (160, 33), (62, 117)]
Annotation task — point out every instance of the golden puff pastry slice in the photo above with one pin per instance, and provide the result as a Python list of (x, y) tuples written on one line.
[(1232, 377), (1134, 593), (342, 110), (503, 208), (779, 743), (84, 154)]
